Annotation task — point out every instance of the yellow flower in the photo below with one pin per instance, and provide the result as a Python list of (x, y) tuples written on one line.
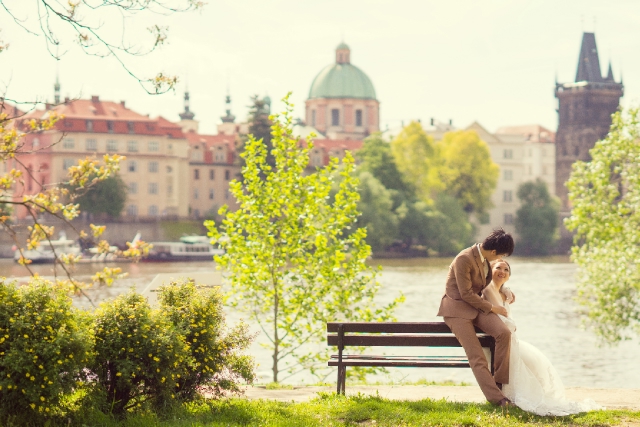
[(118, 374)]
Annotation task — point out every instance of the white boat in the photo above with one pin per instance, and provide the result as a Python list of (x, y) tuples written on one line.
[(189, 248), (47, 251)]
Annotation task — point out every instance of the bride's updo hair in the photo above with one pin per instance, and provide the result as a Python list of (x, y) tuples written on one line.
[(495, 261)]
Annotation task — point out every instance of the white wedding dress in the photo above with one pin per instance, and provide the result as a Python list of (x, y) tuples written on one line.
[(534, 384)]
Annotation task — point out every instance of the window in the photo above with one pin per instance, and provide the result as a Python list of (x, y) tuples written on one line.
[(132, 210), (67, 163), (358, 117), (153, 167), (313, 117), (91, 145), (196, 154), (130, 127), (220, 157), (153, 188), (112, 146), (508, 219), (154, 146), (227, 195), (335, 117), (68, 143), (89, 125), (196, 174), (316, 158), (508, 153), (507, 196), (153, 210), (508, 175), (227, 175), (132, 166), (35, 143), (212, 174), (133, 188), (195, 193), (169, 169), (109, 126), (132, 146), (211, 194)]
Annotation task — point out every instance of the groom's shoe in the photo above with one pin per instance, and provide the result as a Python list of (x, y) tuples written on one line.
[(505, 403)]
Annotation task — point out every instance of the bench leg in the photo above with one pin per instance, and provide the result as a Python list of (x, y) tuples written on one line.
[(342, 376)]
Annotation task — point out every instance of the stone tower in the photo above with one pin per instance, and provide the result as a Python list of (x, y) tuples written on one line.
[(584, 112)]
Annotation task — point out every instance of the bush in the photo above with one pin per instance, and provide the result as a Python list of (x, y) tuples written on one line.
[(140, 356), (217, 364), (44, 345)]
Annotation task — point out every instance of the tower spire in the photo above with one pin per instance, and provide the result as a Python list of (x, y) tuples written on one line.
[(187, 114), (228, 118), (56, 89), (588, 62)]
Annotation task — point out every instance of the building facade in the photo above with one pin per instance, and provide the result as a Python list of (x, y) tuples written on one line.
[(156, 164), (342, 101), (585, 107)]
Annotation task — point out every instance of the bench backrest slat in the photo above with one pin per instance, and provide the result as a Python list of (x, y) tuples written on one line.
[(403, 340), (393, 327)]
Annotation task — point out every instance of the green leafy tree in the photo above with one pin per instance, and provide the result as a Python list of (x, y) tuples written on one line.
[(290, 263), (107, 197), (467, 171), (605, 216), (537, 218), (376, 157), (377, 215), (414, 154)]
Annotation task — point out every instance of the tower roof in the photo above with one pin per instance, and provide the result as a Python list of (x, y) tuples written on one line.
[(342, 80), (589, 62)]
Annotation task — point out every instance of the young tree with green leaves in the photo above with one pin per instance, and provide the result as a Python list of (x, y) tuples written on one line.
[(536, 219), (605, 217), (467, 171), (107, 197), (290, 262), (414, 154)]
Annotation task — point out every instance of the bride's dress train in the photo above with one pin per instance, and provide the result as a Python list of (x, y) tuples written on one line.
[(534, 384)]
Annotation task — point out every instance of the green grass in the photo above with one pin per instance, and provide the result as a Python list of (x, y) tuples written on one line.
[(173, 230), (329, 409)]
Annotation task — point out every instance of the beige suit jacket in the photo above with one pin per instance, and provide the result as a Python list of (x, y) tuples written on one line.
[(465, 282)]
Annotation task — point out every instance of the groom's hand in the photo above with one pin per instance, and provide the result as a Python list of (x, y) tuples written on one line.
[(510, 296), (499, 310)]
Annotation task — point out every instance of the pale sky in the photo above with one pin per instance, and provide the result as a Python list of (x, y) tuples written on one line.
[(494, 61)]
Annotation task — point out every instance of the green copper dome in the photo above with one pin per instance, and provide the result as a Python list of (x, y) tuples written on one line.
[(342, 81)]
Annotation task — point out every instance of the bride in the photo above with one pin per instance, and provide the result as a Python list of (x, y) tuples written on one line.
[(534, 384)]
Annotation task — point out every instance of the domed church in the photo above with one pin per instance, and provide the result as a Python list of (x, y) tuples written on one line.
[(342, 101)]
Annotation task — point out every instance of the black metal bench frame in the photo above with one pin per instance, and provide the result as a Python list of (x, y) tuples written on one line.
[(396, 334)]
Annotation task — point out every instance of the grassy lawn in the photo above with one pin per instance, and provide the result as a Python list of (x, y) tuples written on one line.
[(333, 410)]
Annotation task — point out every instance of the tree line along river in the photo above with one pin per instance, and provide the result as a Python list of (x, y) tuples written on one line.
[(545, 313)]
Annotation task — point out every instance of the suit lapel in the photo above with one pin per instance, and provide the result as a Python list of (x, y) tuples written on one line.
[(476, 256)]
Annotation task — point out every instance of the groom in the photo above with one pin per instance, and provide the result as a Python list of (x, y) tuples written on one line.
[(463, 308)]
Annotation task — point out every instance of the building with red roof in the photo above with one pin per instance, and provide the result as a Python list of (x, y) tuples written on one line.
[(156, 151)]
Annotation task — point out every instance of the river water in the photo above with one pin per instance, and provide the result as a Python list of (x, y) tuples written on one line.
[(545, 314)]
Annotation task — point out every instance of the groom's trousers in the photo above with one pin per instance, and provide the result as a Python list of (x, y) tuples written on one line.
[(490, 323)]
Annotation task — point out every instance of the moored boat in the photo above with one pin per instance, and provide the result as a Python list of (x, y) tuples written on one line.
[(189, 248), (48, 250)]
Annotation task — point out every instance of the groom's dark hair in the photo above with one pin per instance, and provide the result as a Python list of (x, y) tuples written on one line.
[(500, 241)]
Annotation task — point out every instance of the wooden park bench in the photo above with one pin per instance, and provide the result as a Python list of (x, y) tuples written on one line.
[(396, 334)]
